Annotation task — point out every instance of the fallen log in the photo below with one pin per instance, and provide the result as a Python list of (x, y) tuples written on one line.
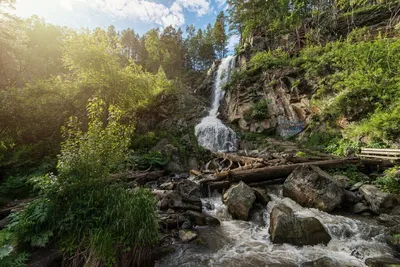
[(276, 172)]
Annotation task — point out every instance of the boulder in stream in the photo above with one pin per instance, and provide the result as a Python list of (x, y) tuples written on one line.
[(313, 188), (187, 235), (379, 202), (323, 262), (382, 262), (202, 219), (239, 199), (286, 228)]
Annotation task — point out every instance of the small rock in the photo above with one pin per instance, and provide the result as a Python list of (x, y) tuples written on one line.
[(389, 220), (184, 175), (261, 196), (187, 235), (359, 208), (208, 206), (202, 219), (379, 202), (382, 262), (356, 186), (396, 211), (167, 186), (322, 262), (239, 198), (286, 228), (342, 181)]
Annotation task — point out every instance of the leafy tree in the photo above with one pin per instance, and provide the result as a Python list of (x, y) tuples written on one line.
[(219, 35)]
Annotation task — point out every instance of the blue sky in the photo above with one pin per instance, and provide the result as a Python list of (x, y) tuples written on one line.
[(141, 15)]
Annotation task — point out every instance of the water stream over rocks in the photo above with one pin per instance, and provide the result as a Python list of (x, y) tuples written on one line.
[(211, 133), (247, 244)]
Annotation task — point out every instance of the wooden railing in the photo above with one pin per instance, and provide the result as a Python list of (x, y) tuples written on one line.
[(377, 153)]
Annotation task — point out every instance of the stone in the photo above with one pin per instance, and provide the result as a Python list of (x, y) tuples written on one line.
[(396, 210), (322, 262), (393, 240), (389, 220), (351, 197), (187, 235), (379, 202), (202, 219), (342, 181), (359, 208), (356, 186), (239, 199), (382, 262), (313, 188), (261, 196), (189, 191), (286, 228)]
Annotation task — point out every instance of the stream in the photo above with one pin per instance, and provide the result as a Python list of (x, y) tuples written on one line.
[(247, 244)]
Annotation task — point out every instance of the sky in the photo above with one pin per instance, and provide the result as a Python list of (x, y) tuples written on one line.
[(141, 15)]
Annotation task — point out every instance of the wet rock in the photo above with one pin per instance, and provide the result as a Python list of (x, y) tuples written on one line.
[(351, 197), (342, 181), (239, 198), (356, 186), (187, 225), (171, 221), (389, 220), (175, 201), (257, 216), (202, 219), (286, 228), (167, 186), (322, 262), (312, 187), (379, 202), (359, 208), (396, 211), (261, 196), (209, 206), (393, 240), (382, 262), (187, 235)]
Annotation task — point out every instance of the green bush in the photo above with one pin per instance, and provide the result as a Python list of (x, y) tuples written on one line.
[(152, 160), (270, 59), (93, 219), (390, 181), (260, 109)]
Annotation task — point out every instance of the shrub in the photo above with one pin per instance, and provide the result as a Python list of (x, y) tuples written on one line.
[(390, 181), (270, 59), (93, 219), (260, 109)]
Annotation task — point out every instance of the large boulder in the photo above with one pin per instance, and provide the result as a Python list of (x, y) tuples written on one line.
[(379, 202), (187, 235), (312, 187), (382, 262), (240, 199), (323, 262), (186, 196), (286, 228), (202, 219)]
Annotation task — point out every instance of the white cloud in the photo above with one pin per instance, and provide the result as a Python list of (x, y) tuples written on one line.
[(67, 4), (233, 41), (148, 11)]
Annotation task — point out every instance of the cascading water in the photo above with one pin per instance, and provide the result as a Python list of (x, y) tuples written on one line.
[(247, 244), (211, 133)]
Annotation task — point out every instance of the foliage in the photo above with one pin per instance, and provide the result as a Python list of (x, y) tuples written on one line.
[(153, 160), (351, 172), (79, 207), (269, 59), (260, 109), (390, 181), (300, 154), (343, 146)]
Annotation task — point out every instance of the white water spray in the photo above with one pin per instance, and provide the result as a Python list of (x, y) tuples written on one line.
[(211, 133)]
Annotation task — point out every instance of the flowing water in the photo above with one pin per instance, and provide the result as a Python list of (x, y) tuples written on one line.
[(246, 244), (211, 133)]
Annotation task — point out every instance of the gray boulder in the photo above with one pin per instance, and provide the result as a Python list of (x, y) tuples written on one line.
[(187, 235), (382, 262), (186, 196), (313, 188), (379, 202), (202, 219), (240, 199), (261, 196), (286, 228), (323, 262)]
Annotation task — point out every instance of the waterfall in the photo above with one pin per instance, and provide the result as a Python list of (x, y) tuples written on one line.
[(211, 133)]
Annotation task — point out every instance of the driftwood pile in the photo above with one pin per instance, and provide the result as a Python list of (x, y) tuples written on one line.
[(258, 171)]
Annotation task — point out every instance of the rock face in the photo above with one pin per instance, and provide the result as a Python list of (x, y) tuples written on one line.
[(312, 187), (379, 202), (322, 262), (239, 198), (286, 228)]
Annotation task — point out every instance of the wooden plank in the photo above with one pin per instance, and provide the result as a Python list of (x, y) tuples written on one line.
[(381, 149), (378, 157), (380, 153)]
